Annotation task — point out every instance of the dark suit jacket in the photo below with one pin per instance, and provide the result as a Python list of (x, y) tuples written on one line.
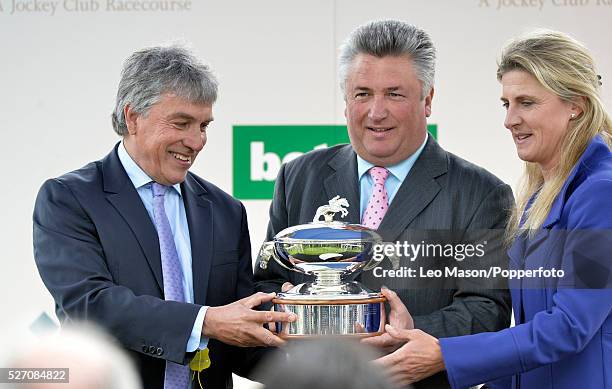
[(97, 252), (441, 192)]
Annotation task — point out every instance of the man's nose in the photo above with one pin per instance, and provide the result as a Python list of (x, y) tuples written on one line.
[(378, 109), (195, 139)]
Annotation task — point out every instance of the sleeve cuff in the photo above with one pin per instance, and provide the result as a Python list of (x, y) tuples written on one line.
[(196, 340), (466, 363)]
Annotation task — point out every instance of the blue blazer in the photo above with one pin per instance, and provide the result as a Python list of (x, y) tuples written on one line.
[(97, 252), (563, 334)]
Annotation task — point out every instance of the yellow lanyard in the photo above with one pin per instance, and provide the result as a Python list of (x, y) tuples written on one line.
[(200, 362)]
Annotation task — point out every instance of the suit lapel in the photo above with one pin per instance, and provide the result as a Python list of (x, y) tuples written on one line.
[(416, 192), (200, 220), (124, 198), (343, 181)]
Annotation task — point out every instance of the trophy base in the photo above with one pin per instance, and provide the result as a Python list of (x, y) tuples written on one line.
[(352, 316)]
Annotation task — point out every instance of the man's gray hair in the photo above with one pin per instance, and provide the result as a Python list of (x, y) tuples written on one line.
[(149, 73), (390, 38), (93, 358), (323, 364)]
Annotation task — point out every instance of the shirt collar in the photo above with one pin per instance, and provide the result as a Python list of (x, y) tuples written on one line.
[(138, 177), (399, 170)]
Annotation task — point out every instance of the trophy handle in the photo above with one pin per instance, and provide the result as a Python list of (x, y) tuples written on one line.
[(268, 252), (265, 253)]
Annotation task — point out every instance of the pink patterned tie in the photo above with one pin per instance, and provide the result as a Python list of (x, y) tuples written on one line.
[(379, 201)]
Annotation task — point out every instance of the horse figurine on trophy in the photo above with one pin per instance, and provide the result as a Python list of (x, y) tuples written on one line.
[(336, 205)]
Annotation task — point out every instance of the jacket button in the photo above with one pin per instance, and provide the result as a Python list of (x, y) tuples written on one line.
[(160, 351), (145, 348), (152, 349)]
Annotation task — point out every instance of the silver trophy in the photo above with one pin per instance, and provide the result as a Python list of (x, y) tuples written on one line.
[(332, 252)]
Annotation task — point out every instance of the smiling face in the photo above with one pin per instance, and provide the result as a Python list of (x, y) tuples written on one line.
[(166, 141), (537, 118), (385, 114)]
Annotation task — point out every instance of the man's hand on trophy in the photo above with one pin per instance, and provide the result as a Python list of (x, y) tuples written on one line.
[(419, 358), (399, 317), (239, 325), (285, 287)]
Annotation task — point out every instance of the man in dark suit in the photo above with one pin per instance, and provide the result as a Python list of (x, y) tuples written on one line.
[(398, 180), (154, 254)]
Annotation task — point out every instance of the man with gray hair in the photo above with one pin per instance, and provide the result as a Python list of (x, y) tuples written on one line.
[(91, 358), (399, 181), (333, 363), (152, 253)]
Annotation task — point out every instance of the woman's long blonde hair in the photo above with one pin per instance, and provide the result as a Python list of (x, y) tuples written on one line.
[(563, 66)]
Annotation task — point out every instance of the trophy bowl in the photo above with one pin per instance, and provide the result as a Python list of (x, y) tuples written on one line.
[(332, 252)]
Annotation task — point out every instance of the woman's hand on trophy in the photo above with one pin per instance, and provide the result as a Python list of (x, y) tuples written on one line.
[(399, 317), (238, 324), (419, 358)]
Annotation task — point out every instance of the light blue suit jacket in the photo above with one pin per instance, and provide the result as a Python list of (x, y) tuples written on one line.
[(563, 333)]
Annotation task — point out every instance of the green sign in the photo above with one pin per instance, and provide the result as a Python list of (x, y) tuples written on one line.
[(259, 152)]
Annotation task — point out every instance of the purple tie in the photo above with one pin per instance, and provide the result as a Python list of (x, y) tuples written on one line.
[(379, 201), (177, 376)]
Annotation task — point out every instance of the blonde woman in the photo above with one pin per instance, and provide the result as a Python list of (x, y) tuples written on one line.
[(563, 333)]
